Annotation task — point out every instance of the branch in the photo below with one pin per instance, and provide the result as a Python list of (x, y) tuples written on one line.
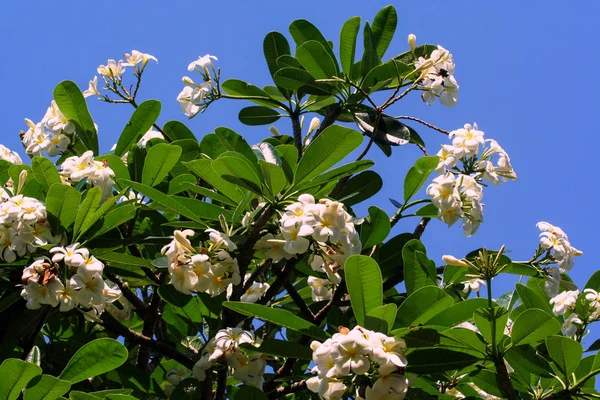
[(427, 124), (334, 112), (505, 384), (150, 323), (282, 278), (420, 229), (110, 323), (285, 390), (291, 290), (221, 384), (297, 130), (127, 293)]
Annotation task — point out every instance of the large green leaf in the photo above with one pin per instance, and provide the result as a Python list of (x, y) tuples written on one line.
[(238, 171), (45, 172), (202, 209), (381, 319), (234, 142), (246, 392), (62, 203), (390, 255), (370, 57), (93, 217), (363, 279), (532, 326), (375, 228), (527, 359), (204, 170), (274, 177), (316, 60), (142, 119), (384, 26), (115, 218), (239, 89), (302, 31), (431, 361), (361, 187), (419, 271), (211, 194), (176, 130), (488, 381), (163, 201), (295, 78), (565, 352), (348, 43), (491, 322), (87, 208), (418, 174), (15, 375), (390, 131), (46, 387), (159, 161), (422, 305), (335, 175), (388, 74), (72, 104), (93, 359), (277, 316), (258, 115), (329, 148), (275, 45), (531, 299), (459, 312)]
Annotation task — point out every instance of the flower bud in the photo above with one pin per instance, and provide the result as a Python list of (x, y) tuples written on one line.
[(314, 124), (451, 260), (412, 42), (188, 81), (274, 131), (22, 179)]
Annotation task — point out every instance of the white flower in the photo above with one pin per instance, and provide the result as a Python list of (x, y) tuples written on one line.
[(570, 326), (412, 41), (327, 388), (92, 88), (76, 168), (180, 247), (473, 284), (437, 78), (58, 143), (322, 289), (443, 192), (254, 292), (40, 141), (221, 239), (8, 155), (90, 288), (177, 374), (72, 255), (564, 301), (295, 237), (349, 353), (202, 62), (451, 260), (388, 350), (447, 159), (112, 69), (388, 386), (185, 101), (272, 247), (136, 57), (466, 141), (232, 337), (183, 278), (593, 297), (552, 284), (56, 121), (67, 296)]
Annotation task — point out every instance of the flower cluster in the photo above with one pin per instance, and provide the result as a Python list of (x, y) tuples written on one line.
[(458, 191), (7, 154), (210, 270), (359, 351), (255, 291), (224, 349), (51, 135), (23, 226), (437, 77), (580, 309), (48, 282), (112, 73), (98, 173), (195, 97), (556, 241)]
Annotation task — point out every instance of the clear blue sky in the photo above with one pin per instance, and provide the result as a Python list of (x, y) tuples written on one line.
[(526, 72)]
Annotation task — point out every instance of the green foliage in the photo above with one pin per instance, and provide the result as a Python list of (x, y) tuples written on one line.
[(363, 278), (94, 358)]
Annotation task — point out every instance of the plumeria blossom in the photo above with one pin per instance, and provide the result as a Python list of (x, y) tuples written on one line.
[(564, 302), (202, 62), (7, 154), (72, 255), (571, 325), (466, 141), (437, 78), (473, 285), (321, 289), (92, 88), (557, 242), (137, 57), (356, 352), (112, 69), (98, 173)]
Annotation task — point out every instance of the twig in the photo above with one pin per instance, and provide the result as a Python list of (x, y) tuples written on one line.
[(378, 112), (127, 293), (334, 112), (291, 290), (280, 281), (285, 390), (427, 124), (111, 324), (297, 130), (150, 323), (420, 229), (506, 385)]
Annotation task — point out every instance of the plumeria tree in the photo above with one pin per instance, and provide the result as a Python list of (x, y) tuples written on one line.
[(199, 266)]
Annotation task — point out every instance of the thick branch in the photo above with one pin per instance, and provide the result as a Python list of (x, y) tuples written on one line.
[(420, 229), (149, 327), (110, 323), (135, 301), (297, 130), (505, 384), (282, 278), (334, 112), (291, 290), (285, 390)]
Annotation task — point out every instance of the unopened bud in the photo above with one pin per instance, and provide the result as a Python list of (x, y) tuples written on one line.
[(22, 179), (314, 124), (188, 81), (451, 260), (274, 131), (412, 42)]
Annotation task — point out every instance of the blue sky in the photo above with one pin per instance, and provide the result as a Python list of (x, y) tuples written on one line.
[(518, 65)]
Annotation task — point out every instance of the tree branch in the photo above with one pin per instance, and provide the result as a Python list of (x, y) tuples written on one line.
[(297, 130), (285, 390), (505, 384), (420, 229), (127, 293), (110, 323), (291, 290), (334, 112)]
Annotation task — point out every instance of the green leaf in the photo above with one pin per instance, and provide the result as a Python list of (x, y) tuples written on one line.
[(239, 89), (419, 271), (274, 177), (418, 174), (92, 218), (429, 211), (289, 159), (389, 74), (594, 281), (316, 60), (370, 57), (302, 31), (457, 313), (365, 287), (162, 201), (202, 209), (531, 300), (45, 172), (431, 361), (86, 209), (381, 319), (176, 130), (93, 359), (239, 172), (258, 115), (287, 61), (390, 255), (62, 203), (204, 170), (46, 388), (115, 218), (159, 162), (329, 148), (334, 175), (390, 131), (246, 392), (488, 381), (384, 26), (277, 316), (348, 43), (279, 348), (142, 119), (483, 318), (275, 45), (532, 326), (211, 194), (176, 184), (422, 305), (294, 78), (565, 352), (361, 187), (526, 358), (34, 356), (234, 142), (15, 376), (72, 104), (375, 228)]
